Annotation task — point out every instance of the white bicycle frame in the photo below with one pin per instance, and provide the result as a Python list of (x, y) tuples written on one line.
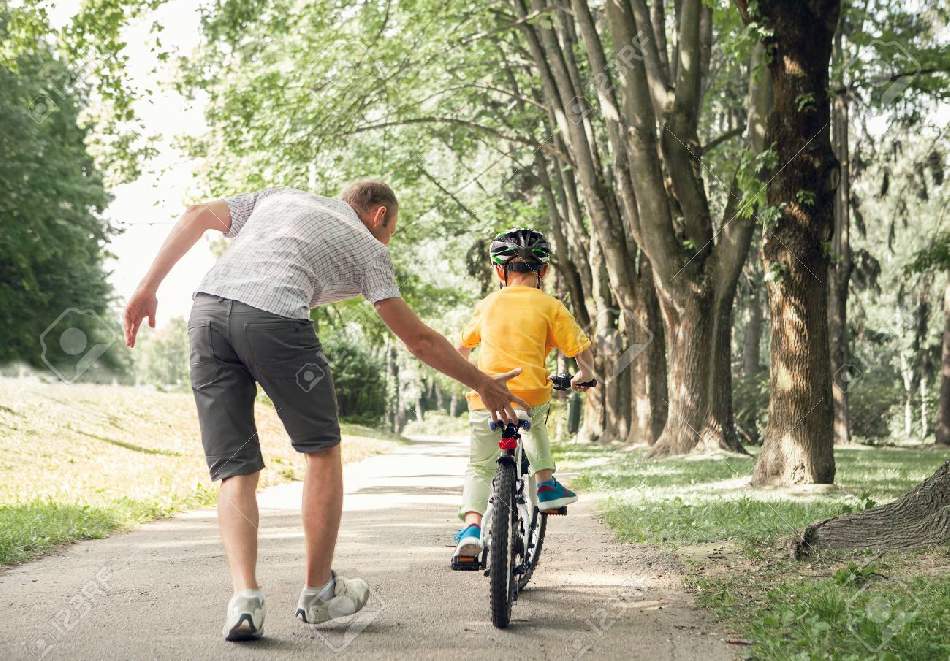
[(526, 507)]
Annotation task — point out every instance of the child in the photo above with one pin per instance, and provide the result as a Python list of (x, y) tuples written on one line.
[(517, 326)]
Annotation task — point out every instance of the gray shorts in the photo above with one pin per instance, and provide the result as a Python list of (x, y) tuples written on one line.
[(234, 345)]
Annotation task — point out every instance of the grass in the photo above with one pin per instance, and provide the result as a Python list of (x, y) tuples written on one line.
[(732, 542), (82, 461)]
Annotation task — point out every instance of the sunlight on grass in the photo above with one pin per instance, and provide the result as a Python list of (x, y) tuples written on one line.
[(79, 461), (731, 539)]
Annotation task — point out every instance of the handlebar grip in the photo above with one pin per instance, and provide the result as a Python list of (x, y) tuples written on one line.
[(493, 426), (563, 382)]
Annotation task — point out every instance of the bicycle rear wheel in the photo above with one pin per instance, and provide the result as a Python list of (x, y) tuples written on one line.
[(503, 548)]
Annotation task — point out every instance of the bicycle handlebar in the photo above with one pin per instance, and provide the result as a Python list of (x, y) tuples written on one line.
[(523, 424), (563, 382)]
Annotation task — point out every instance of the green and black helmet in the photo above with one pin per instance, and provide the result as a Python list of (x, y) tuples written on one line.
[(529, 245)]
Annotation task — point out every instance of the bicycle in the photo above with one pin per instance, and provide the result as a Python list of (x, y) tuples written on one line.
[(513, 527)]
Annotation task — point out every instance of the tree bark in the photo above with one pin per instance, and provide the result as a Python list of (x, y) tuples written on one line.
[(943, 415), (648, 396), (919, 518), (799, 438)]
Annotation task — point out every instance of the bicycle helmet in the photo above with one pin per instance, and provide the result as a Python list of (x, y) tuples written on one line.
[(521, 250)]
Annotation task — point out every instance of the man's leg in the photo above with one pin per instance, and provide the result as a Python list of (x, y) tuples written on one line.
[(322, 508), (289, 364), (238, 521)]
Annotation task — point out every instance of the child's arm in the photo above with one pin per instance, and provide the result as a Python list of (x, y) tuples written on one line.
[(585, 360), (464, 350)]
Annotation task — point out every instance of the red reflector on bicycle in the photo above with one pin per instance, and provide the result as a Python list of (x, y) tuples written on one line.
[(508, 443)]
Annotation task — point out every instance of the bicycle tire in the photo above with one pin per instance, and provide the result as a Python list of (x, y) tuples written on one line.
[(536, 550), (501, 552)]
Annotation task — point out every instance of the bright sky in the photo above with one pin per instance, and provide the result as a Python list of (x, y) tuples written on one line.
[(147, 208)]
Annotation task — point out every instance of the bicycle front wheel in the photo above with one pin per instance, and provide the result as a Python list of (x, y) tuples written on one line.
[(503, 547), (535, 537)]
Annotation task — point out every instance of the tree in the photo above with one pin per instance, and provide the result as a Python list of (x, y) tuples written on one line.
[(919, 518), (54, 294), (936, 258), (887, 61), (640, 175), (798, 440), (162, 360)]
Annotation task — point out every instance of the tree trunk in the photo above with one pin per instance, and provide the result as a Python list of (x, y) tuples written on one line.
[(907, 381), (699, 418), (646, 348), (839, 272), (943, 415), (454, 405), (752, 334), (799, 438), (919, 518)]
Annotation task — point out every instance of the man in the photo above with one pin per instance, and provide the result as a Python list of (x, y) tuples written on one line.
[(250, 324)]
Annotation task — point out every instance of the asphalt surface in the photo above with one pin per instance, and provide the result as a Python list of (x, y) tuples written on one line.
[(159, 592)]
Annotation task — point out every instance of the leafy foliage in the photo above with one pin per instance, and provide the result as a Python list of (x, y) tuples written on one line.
[(53, 242)]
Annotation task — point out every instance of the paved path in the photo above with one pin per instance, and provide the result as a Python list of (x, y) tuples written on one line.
[(159, 592)]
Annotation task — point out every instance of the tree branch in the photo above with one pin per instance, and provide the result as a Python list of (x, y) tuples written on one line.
[(661, 89), (656, 223), (721, 138), (450, 195), (455, 121), (894, 77)]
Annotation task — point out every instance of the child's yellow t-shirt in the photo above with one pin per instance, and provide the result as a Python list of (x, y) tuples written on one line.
[(517, 327)]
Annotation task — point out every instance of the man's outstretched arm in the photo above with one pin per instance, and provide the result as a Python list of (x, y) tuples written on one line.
[(434, 350), (186, 232)]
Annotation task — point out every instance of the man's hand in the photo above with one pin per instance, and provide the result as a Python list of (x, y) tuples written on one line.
[(435, 351), (214, 215), (497, 398), (142, 304)]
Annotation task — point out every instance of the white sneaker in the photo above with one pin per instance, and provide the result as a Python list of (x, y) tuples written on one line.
[(245, 618), (349, 596)]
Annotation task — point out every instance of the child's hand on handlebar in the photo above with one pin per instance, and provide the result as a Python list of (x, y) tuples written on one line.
[(581, 381)]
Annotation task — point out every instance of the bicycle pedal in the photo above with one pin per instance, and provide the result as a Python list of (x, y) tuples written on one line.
[(560, 511), (466, 563)]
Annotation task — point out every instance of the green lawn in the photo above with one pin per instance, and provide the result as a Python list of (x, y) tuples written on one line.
[(81, 461), (732, 541)]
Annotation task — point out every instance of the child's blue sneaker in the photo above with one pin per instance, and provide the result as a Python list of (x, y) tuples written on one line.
[(469, 542), (553, 495)]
